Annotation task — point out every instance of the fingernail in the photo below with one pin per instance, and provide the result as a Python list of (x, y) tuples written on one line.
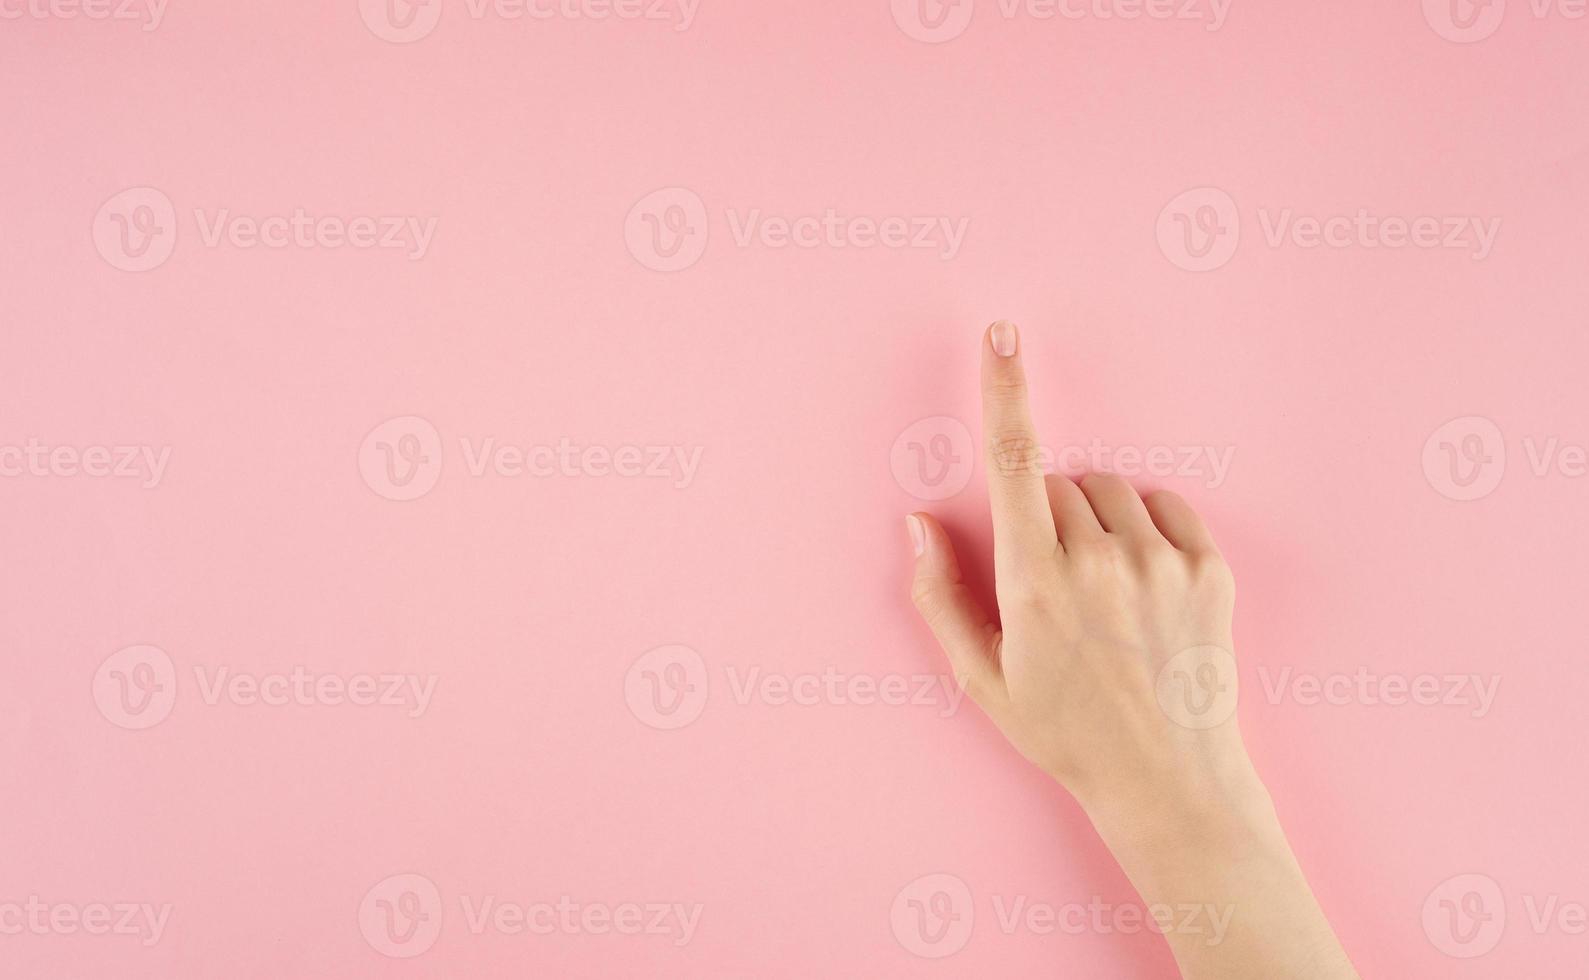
[(918, 534), (1004, 337)]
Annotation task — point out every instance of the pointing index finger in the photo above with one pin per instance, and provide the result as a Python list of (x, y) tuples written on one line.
[(1022, 520)]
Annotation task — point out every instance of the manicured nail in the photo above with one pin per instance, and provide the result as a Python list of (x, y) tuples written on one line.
[(1004, 337), (918, 534)]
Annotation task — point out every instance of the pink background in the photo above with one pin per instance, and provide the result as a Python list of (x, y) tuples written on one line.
[(531, 319)]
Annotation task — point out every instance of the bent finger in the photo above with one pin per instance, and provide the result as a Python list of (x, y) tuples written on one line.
[(1116, 503), (963, 628), (1178, 522)]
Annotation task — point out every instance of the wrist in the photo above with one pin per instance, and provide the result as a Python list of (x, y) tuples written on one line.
[(1224, 852), (1222, 816)]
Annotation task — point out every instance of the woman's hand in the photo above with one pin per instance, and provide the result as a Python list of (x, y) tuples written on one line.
[(1112, 671), (1111, 668)]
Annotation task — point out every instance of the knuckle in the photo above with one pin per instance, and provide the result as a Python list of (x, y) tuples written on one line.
[(1092, 546), (1096, 481), (1012, 389), (1211, 571), (1149, 548), (1162, 498), (1163, 566), (1024, 582), (1096, 551), (1015, 453)]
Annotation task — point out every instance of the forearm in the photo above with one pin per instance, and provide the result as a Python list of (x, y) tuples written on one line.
[(1218, 872)]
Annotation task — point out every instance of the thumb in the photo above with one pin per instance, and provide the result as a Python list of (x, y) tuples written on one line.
[(953, 614)]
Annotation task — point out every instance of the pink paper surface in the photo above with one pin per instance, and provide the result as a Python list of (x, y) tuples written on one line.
[(280, 281)]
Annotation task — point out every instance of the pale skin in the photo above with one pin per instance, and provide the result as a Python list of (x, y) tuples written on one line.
[(1099, 589)]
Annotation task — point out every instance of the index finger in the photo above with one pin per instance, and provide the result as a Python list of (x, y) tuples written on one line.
[(1022, 520)]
